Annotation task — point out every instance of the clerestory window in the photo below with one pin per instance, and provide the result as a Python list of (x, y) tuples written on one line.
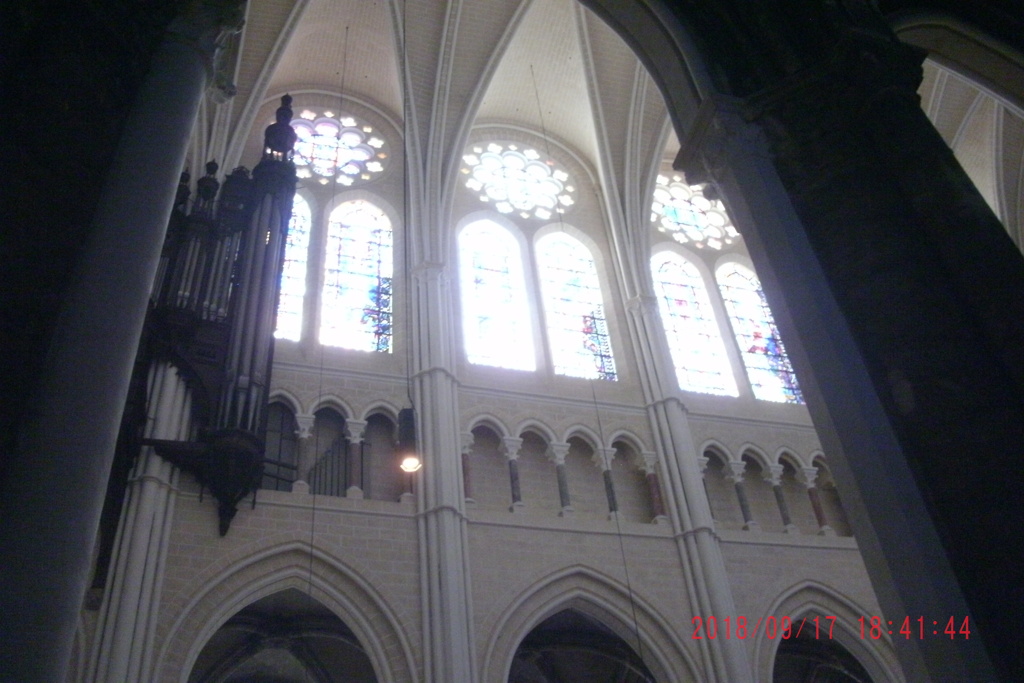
[(768, 368), (356, 305), (573, 308), (694, 340), (495, 313)]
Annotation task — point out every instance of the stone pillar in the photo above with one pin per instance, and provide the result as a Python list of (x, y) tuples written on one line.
[(557, 453), (650, 462), (774, 478), (511, 446), (127, 627), (701, 563), (809, 476), (306, 455), (467, 467), (444, 562), (735, 475), (602, 459), (901, 300), (354, 460), (66, 446)]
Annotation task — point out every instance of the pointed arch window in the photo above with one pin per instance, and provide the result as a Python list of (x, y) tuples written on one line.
[(495, 312), (573, 308), (293, 275), (698, 351), (357, 311), (768, 368)]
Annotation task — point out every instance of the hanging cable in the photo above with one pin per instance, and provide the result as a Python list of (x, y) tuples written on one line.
[(618, 533)]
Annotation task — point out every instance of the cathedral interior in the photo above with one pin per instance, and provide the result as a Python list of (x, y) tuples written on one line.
[(537, 341)]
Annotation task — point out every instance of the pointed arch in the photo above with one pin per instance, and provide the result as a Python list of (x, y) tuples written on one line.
[(574, 308), (337, 586), (539, 428), (692, 332), (496, 325), (488, 420), (600, 597), (810, 599)]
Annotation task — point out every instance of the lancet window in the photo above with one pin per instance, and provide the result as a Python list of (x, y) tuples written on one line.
[(768, 368), (495, 312), (293, 276), (695, 342), (357, 294), (574, 308)]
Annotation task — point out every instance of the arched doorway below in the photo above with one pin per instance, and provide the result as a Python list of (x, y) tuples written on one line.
[(806, 659), (287, 637), (571, 647)]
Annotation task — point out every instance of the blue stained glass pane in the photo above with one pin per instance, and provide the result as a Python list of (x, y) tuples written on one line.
[(357, 307), (768, 368), (698, 352), (293, 275), (495, 314), (573, 307)]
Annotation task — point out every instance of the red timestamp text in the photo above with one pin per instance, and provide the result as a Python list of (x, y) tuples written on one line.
[(823, 627), (919, 628), (742, 628)]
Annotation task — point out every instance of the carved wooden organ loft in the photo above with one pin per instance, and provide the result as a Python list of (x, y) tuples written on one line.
[(212, 313)]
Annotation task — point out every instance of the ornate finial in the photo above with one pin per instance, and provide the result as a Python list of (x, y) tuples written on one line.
[(183, 192), (206, 191), (279, 138)]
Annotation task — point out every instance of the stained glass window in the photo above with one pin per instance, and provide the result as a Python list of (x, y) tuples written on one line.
[(495, 313), (768, 368), (337, 146), (698, 352), (573, 307), (517, 180), (357, 286), (683, 212), (293, 277)]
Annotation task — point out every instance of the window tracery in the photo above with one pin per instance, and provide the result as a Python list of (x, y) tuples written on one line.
[(357, 294), (683, 212), (293, 274), (698, 351), (574, 309), (495, 313), (518, 180), (337, 146), (768, 368)]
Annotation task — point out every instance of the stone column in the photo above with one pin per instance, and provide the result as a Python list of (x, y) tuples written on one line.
[(900, 297), (809, 476), (444, 562), (774, 478), (650, 462), (66, 446), (511, 446), (354, 461), (306, 456), (602, 459), (467, 467), (702, 567), (735, 475), (557, 453)]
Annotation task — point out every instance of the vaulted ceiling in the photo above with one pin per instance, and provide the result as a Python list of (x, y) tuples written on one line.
[(550, 67)]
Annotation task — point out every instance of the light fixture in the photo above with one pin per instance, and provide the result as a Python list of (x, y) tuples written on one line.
[(410, 464)]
